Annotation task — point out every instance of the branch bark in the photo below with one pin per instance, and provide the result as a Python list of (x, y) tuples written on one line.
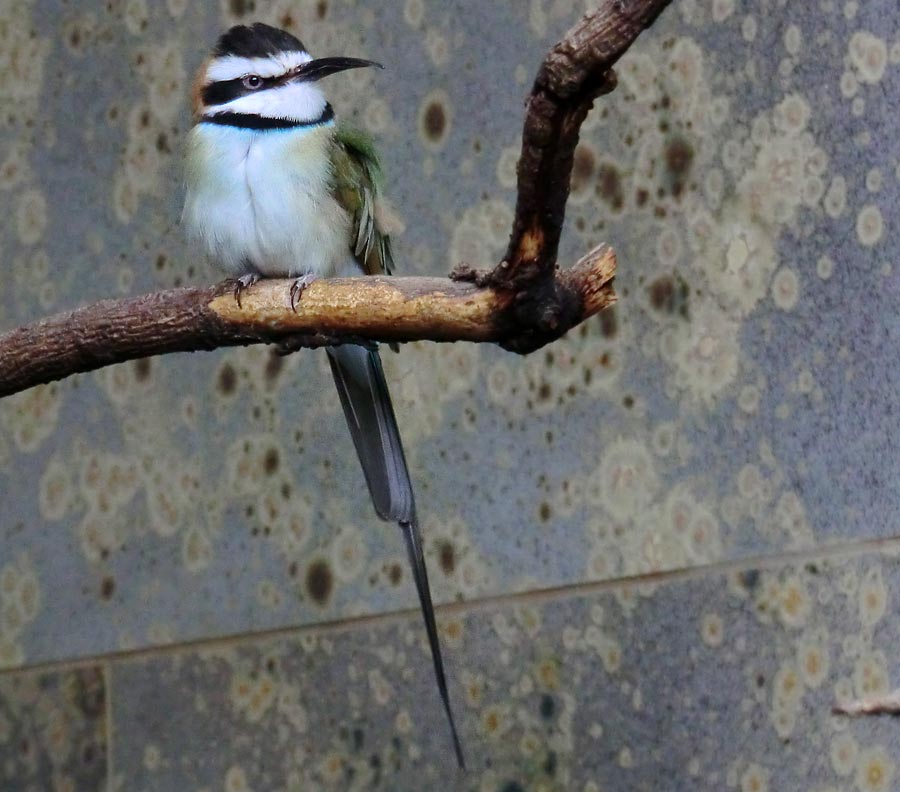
[(330, 312), (888, 704), (522, 304), (574, 73)]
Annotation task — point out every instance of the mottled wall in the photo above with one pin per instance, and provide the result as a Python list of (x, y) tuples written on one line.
[(727, 434)]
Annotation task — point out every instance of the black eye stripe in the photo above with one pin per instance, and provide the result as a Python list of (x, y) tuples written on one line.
[(221, 92), (224, 91)]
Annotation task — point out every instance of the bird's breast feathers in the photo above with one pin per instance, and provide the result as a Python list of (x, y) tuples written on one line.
[(261, 201)]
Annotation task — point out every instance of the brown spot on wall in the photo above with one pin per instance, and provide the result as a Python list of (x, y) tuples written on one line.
[(319, 581), (545, 512), (434, 121), (453, 630), (584, 164), (107, 588), (609, 322), (609, 186), (547, 707), (679, 157), (241, 7), (662, 293), (227, 383), (321, 9), (447, 555), (142, 369), (271, 462), (669, 294)]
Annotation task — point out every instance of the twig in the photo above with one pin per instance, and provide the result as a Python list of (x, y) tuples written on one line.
[(522, 304), (888, 704)]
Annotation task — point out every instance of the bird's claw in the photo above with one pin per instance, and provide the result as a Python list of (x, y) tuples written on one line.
[(298, 287), (242, 283)]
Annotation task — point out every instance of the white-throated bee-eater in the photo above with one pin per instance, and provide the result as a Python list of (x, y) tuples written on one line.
[(276, 188)]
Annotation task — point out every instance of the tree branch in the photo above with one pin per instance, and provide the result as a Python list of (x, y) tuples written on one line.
[(522, 304), (887, 704), (576, 71), (330, 311)]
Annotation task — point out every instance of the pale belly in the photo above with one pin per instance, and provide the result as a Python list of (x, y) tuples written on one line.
[(260, 202)]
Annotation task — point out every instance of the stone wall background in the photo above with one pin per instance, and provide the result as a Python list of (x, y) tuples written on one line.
[(666, 544)]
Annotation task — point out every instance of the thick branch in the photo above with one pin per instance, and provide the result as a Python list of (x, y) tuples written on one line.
[(574, 73), (329, 312)]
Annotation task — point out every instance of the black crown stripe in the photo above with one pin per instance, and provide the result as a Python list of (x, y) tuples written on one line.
[(256, 41)]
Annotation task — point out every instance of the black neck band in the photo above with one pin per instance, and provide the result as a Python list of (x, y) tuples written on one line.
[(252, 121)]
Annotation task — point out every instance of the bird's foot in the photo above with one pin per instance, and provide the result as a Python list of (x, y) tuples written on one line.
[(298, 287), (242, 283)]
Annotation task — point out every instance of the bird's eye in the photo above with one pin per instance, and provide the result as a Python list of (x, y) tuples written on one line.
[(252, 81)]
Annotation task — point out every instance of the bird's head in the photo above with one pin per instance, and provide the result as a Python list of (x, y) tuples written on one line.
[(261, 72)]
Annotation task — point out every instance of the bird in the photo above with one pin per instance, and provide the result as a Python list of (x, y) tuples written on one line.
[(276, 187)]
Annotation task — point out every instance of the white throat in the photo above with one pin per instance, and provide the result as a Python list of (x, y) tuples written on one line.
[(261, 201)]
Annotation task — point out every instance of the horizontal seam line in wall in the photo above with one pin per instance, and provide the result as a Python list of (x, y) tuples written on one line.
[(385, 618)]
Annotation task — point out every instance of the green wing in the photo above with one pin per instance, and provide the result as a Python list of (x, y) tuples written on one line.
[(356, 182)]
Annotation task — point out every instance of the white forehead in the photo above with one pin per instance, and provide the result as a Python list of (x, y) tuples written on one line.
[(232, 67)]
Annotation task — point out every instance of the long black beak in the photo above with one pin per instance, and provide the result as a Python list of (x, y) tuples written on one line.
[(322, 67)]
